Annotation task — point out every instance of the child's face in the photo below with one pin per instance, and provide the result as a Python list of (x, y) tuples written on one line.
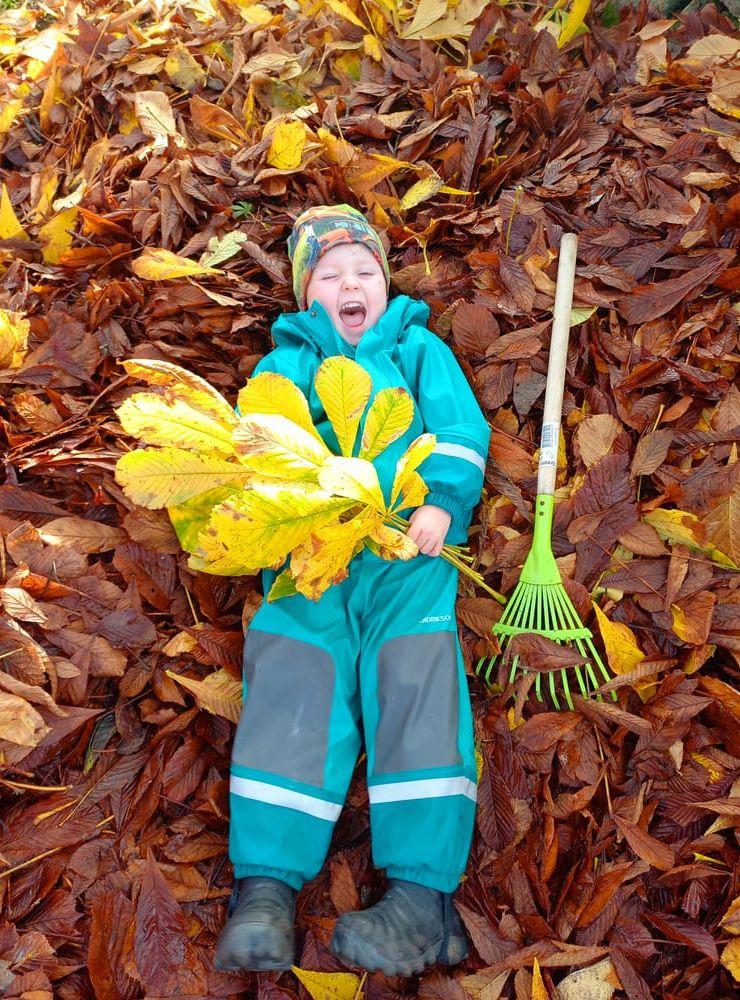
[(349, 283)]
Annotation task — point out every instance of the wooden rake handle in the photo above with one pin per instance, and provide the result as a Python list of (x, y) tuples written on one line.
[(548, 463)]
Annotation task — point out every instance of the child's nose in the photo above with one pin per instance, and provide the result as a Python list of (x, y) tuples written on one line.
[(350, 281)]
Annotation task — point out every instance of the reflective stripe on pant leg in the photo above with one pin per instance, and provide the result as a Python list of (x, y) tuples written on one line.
[(282, 813)]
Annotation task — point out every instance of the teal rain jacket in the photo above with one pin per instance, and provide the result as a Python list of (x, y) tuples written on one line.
[(398, 351)]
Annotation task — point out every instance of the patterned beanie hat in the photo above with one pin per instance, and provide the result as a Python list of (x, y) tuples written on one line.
[(318, 230)]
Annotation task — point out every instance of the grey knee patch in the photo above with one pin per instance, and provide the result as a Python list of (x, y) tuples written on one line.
[(284, 725), (418, 700)]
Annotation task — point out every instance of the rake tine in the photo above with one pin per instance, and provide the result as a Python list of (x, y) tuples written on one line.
[(599, 663), (553, 691), (569, 617), (581, 682), (512, 609), (514, 669)]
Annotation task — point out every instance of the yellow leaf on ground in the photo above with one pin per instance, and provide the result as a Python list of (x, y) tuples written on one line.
[(426, 188), (344, 388), (731, 920), (57, 234), (731, 959), (182, 68), (286, 146), (165, 477), (8, 115), (574, 21), (42, 193), (349, 64), (181, 643), (14, 330), (622, 650), (329, 985), (270, 392), (219, 694), (539, 991), (155, 264), (10, 227), (53, 94), (353, 478), (345, 11), (578, 316), (362, 172), (253, 13), (679, 527), (389, 417), (250, 108), (372, 47)]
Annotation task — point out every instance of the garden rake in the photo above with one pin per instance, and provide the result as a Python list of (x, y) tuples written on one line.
[(540, 604)]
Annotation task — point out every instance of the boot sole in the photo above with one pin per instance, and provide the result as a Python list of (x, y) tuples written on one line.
[(255, 967), (356, 951)]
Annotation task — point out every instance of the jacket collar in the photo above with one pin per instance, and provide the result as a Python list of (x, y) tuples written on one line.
[(313, 326)]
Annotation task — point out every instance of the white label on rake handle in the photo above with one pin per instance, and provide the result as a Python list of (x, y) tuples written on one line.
[(549, 444)]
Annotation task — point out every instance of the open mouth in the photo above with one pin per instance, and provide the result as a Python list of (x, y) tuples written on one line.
[(352, 314)]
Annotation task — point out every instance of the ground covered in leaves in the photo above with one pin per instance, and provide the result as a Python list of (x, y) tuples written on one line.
[(473, 135)]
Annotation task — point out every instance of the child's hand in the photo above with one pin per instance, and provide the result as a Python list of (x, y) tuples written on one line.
[(428, 527)]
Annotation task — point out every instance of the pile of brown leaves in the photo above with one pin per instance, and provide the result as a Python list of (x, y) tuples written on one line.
[(607, 838)]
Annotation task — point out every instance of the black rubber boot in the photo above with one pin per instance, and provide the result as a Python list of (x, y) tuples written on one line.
[(258, 934), (410, 928)]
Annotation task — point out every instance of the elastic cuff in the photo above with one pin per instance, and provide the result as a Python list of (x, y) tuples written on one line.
[(441, 881), (446, 502), (293, 879)]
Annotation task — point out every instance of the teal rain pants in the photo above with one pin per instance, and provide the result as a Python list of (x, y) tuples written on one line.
[(379, 650)]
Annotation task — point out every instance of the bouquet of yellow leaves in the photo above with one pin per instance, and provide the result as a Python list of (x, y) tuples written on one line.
[(251, 492)]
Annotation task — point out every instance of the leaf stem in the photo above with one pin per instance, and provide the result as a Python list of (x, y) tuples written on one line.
[(457, 555)]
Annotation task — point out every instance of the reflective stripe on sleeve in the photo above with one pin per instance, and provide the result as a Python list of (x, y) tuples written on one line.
[(261, 791), (425, 788), (460, 451)]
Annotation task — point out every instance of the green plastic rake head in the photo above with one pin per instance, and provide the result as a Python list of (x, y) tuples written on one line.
[(540, 603)]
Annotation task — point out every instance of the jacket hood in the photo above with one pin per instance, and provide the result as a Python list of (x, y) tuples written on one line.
[(313, 327)]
